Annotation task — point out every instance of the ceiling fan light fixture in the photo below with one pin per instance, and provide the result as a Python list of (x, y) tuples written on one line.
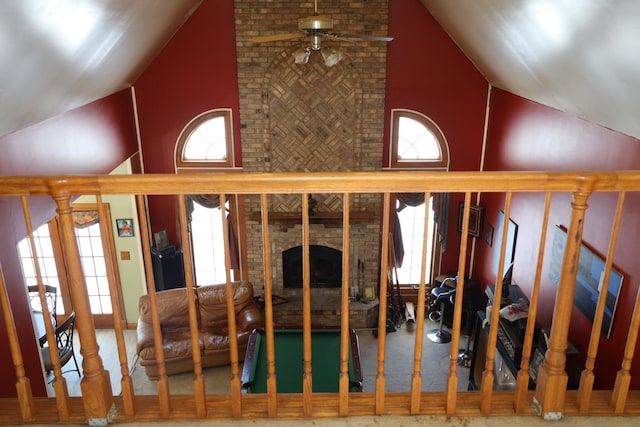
[(331, 56), (301, 56)]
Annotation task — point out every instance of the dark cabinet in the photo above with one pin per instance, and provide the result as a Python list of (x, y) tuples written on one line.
[(168, 268), (509, 351)]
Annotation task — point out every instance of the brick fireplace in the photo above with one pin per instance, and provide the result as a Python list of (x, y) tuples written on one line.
[(309, 117)]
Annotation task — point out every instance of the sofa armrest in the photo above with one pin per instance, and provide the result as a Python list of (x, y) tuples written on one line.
[(144, 335), (249, 318)]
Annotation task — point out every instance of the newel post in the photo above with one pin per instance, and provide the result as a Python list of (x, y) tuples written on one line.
[(551, 386), (97, 395)]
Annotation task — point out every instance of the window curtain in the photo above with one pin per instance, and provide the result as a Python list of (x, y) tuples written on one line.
[(404, 199), (441, 212), (212, 201), (84, 219), (441, 215)]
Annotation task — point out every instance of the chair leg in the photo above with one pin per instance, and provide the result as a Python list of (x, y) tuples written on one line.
[(439, 335), (73, 355), (464, 355)]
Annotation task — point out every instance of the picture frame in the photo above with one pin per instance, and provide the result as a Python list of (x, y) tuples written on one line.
[(125, 227), (475, 219), (488, 235), (162, 240), (589, 280)]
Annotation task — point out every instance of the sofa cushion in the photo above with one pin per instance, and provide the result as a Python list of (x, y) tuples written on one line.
[(212, 303), (173, 309), (176, 345)]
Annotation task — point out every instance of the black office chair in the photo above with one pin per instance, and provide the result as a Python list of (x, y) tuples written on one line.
[(64, 341), (441, 295)]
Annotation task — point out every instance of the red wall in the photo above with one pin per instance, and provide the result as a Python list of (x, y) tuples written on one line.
[(436, 79), (195, 72), (524, 135), (93, 139)]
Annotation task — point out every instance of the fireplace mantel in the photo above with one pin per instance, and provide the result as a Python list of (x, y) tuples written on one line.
[(317, 217)]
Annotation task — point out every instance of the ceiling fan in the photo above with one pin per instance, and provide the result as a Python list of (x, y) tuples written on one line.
[(316, 28)]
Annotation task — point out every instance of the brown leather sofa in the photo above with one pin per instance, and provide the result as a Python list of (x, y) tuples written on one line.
[(213, 330)]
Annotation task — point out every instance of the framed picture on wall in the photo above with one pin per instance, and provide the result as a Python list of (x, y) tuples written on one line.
[(125, 227), (488, 235), (589, 280), (475, 219)]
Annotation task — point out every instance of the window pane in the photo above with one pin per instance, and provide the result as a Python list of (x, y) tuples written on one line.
[(92, 286), (28, 268), (208, 141), (416, 142), (88, 267), (103, 285), (96, 245), (94, 303), (208, 245), (106, 305), (412, 227)]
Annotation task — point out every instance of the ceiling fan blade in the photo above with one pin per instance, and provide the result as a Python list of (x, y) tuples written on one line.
[(344, 36), (277, 37)]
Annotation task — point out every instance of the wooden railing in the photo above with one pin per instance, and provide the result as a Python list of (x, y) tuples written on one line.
[(551, 398)]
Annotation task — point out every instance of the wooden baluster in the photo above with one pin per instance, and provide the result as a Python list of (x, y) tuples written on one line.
[(416, 379), (164, 397), (60, 383), (344, 311), (236, 386), (198, 379), (452, 378), (272, 398), (488, 375), (587, 377), (382, 308), (126, 383), (306, 311), (23, 385), (623, 378), (522, 383), (552, 379), (97, 395)]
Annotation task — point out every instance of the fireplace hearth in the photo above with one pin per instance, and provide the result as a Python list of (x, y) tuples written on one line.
[(325, 265)]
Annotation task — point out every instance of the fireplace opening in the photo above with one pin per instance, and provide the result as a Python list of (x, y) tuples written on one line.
[(325, 265)]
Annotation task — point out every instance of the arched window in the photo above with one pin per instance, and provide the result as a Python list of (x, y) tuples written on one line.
[(207, 141), (416, 142), (206, 145)]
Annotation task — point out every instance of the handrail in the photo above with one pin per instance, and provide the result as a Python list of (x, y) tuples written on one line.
[(551, 396), (324, 182)]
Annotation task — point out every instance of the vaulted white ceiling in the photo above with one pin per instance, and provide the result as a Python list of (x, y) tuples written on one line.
[(578, 56), (56, 55)]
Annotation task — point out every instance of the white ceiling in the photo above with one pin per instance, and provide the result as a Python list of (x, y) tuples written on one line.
[(578, 56), (574, 55), (56, 55)]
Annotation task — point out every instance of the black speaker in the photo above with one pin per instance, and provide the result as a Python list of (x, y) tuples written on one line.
[(168, 268)]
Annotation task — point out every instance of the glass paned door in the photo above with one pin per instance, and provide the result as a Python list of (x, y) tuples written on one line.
[(93, 247), (94, 267), (47, 260)]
